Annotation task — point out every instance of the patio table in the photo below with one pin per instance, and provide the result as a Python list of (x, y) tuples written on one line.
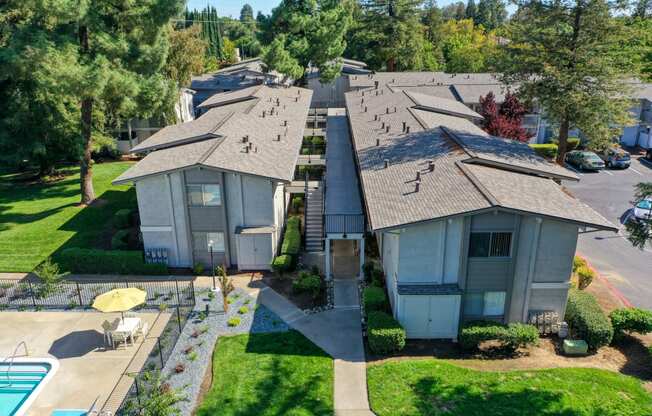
[(128, 326)]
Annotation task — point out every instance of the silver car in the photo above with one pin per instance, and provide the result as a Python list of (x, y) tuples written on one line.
[(643, 209)]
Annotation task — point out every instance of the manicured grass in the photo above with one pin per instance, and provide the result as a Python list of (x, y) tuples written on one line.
[(435, 387), (36, 220), (269, 374)]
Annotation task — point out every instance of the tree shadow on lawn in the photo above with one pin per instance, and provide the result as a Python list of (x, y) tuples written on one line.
[(433, 398), (7, 218)]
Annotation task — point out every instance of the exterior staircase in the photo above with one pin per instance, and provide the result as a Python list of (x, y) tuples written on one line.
[(314, 226)]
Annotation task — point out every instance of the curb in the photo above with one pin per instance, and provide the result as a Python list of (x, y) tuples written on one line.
[(617, 293)]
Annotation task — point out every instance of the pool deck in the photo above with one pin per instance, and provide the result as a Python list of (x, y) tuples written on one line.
[(87, 371)]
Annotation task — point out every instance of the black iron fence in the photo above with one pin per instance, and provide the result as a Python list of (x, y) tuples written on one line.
[(69, 294)]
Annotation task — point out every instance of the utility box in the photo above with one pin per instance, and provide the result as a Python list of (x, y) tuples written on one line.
[(255, 248)]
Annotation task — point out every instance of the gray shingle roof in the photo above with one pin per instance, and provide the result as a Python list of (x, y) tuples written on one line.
[(222, 98), (471, 93), (449, 144), (442, 91), (266, 157), (441, 105)]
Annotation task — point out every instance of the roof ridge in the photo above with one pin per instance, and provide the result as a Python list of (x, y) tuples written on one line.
[(419, 120), (478, 184), (221, 122), (458, 141), (210, 150)]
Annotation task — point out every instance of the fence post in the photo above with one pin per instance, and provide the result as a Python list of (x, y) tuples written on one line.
[(127, 283), (160, 352), (176, 283), (192, 289), (79, 294), (31, 293), (179, 319), (140, 405)]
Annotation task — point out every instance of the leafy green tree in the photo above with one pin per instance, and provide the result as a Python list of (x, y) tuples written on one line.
[(640, 231), (186, 55), (246, 13), (277, 58), (103, 62), (466, 47), (566, 56), (471, 10), (314, 34), (638, 45), (491, 14)]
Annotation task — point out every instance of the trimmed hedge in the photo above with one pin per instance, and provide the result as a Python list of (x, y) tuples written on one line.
[(548, 150), (578, 262), (292, 238), (282, 263), (81, 260), (384, 333), (587, 321), (512, 336), (120, 240), (122, 218), (297, 203), (374, 299), (630, 320), (309, 283), (585, 276)]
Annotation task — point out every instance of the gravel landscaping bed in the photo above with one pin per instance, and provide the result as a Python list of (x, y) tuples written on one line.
[(186, 367)]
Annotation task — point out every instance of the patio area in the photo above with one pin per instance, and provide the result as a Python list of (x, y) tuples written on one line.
[(88, 370)]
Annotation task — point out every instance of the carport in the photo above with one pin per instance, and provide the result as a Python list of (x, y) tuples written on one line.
[(344, 218)]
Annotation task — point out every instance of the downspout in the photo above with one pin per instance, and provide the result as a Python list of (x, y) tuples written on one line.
[(172, 217), (530, 274)]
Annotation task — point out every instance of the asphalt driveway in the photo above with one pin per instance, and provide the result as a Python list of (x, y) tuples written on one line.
[(610, 192)]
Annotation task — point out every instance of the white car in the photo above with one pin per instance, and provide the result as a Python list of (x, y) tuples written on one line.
[(643, 209)]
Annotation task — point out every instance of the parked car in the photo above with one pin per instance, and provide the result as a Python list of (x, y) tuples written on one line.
[(584, 160), (643, 209), (648, 155), (615, 157)]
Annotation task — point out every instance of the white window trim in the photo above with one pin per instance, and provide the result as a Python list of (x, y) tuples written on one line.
[(491, 238), (202, 192)]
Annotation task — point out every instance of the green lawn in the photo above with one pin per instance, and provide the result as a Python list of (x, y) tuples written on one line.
[(435, 387), (37, 220), (269, 374)]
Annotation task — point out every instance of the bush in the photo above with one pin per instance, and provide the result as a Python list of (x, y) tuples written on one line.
[(90, 261), (297, 203), (384, 333), (367, 270), (235, 321), (578, 262), (630, 320), (198, 269), (120, 240), (374, 299), (307, 282), (511, 337), (292, 238), (548, 150), (243, 310), (318, 141), (282, 263), (587, 321), (122, 218), (585, 276), (572, 143)]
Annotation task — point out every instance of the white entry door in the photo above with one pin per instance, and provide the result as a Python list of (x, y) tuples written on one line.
[(430, 316)]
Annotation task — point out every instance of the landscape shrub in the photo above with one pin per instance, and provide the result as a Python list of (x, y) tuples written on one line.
[(548, 150), (235, 321), (297, 203), (585, 276), (91, 261), (122, 218), (367, 270), (626, 320), (307, 283), (292, 238), (384, 333), (120, 240), (511, 337), (587, 321), (318, 141), (572, 143), (282, 264), (374, 299), (578, 262)]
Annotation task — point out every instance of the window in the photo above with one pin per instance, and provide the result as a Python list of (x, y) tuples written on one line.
[(484, 304), (490, 244), (204, 195), (202, 241)]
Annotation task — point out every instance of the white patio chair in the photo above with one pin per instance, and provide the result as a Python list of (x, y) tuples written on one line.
[(142, 330), (119, 337), (108, 331), (131, 315)]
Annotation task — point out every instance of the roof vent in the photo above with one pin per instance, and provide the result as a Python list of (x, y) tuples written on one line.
[(407, 129), (376, 93), (361, 101), (278, 137), (375, 117), (245, 138), (363, 93), (285, 122), (386, 163), (264, 113), (355, 77), (387, 110), (251, 145), (377, 142), (382, 126), (387, 128), (403, 126), (376, 84), (394, 109), (417, 185), (418, 176), (431, 165), (246, 149), (296, 99), (365, 108)]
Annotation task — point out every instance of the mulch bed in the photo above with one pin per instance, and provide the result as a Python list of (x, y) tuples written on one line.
[(300, 300)]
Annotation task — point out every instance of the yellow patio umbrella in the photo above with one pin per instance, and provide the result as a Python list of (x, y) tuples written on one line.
[(119, 300)]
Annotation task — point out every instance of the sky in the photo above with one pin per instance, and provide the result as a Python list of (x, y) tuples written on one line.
[(232, 7)]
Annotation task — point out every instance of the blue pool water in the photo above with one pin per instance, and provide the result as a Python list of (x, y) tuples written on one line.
[(69, 413), (17, 385)]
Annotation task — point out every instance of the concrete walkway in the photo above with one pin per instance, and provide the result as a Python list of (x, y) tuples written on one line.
[(337, 331)]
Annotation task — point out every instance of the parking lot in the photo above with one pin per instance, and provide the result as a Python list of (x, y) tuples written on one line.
[(611, 192)]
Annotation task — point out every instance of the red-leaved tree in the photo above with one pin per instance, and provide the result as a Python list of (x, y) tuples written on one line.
[(504, 120)]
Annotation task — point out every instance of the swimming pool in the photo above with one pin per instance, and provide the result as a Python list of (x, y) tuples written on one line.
[(20, 385)]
